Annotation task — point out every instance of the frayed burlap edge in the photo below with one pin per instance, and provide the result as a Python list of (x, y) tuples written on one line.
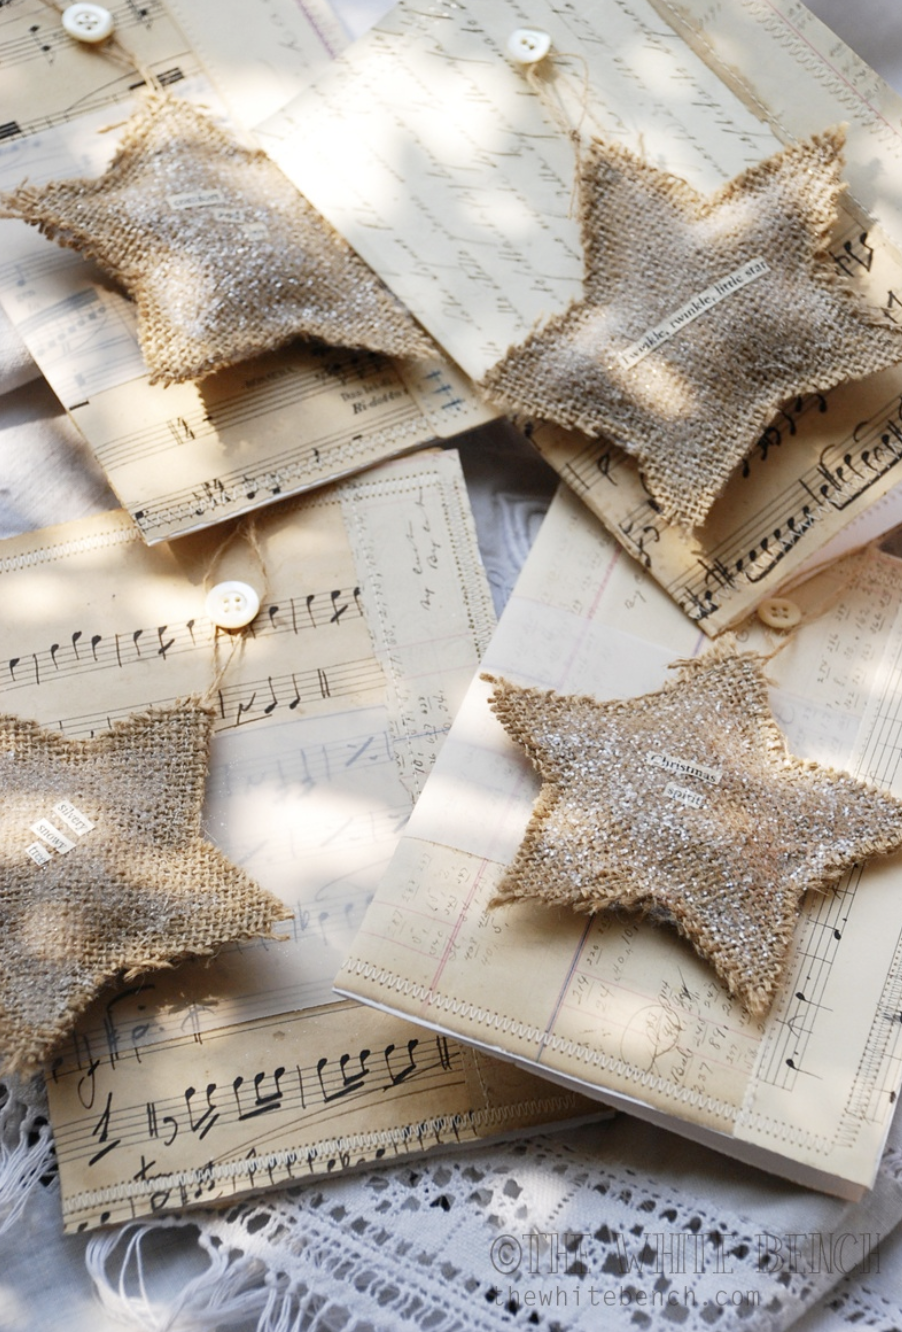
[(24, 1055), (509, 385), (756, 994)]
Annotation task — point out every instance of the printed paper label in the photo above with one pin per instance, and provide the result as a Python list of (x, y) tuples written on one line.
[(683, 796), (73, 817), (699, 304), (39, 853), (195, 198), (684, 768), (44, 828)]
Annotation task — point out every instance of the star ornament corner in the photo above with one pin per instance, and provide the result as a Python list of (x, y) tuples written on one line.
[(224, 258), (700, 315), (104, 869), (686, 805)]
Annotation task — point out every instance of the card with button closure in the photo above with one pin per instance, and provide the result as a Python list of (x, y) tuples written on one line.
[(480, 235), (330, 705), (278, 424)]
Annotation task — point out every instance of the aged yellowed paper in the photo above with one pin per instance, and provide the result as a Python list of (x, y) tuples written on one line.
[(621, 1006), (207, 1081), (184, 457), (429, 149)]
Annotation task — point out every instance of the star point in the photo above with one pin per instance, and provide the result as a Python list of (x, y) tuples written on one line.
[(685, 805), (223, 257), (658, 256)]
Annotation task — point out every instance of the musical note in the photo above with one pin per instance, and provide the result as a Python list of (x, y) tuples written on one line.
[(173, 640), (101, 1131), (349, 1082), (262, 1104), (409, 1067), (208, 1118), (855, 252)]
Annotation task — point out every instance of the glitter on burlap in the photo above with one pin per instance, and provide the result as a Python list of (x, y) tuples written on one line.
[(686, 805), (224, 258), (142, 889), (695, 405)]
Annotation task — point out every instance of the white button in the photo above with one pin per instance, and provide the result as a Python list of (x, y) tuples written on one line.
[(232, 605), (88, 23), (527, 46), (779, 613)]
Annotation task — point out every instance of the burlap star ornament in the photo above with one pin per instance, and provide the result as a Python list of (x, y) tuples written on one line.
[(685, 804), (221, 254), (699, 316), (138, 886)]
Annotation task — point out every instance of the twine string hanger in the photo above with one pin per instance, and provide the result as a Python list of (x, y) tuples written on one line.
[(244, 530), (112, 48), (540, 64)]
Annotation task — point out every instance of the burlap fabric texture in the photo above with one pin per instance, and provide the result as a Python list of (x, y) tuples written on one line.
[(686, 805), (224, 258), (143, 889), (696, 404)]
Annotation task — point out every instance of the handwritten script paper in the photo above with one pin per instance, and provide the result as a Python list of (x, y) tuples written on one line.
[(213, 1079), (620, 1007), (428, 149), (183, 457)]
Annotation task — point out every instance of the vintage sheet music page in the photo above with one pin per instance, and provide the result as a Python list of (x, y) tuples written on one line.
[(426, 146), (622, 1007), (182, 457), (213, 1079)]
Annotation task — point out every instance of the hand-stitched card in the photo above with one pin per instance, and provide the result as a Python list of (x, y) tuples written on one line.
[(211, 1080), (618, 1003), (230, 269), (480, 237)]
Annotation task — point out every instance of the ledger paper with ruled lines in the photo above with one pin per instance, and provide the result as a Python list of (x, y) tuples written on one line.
[(432, 153), (620, 1006), (204, 1082), (183, 457)]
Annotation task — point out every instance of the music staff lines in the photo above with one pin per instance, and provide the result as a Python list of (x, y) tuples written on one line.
[(253, 700), (175, 69), (301, 383), (309, 1094), (37, 267), (877, 1080), (820, 935), (307, 765), (841, 474), (835, 476), (883, 751), (285, 473), (83, 652), (844, 471), (122, 1034), (86, 342), (42, 39)]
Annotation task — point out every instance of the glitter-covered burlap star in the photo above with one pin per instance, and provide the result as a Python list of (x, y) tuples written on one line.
[(686, 804), (141, 889), (693, 405), (222, 255)]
